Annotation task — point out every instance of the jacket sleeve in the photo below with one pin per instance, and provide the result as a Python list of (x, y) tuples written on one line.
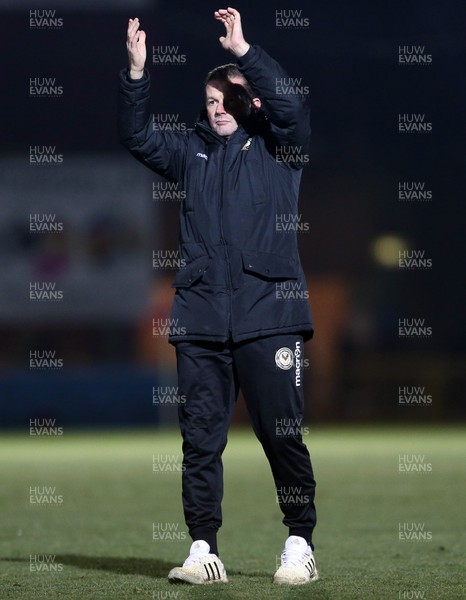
[(287, 113), (162, 151)]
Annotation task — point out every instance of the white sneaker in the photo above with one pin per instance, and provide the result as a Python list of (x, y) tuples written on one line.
[(298, 565), (200, 567)]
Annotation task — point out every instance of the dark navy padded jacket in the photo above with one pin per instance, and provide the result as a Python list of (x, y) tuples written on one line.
[(235, 256)]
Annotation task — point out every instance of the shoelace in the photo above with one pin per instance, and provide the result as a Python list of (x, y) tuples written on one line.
[(194, 558), (293, 558)]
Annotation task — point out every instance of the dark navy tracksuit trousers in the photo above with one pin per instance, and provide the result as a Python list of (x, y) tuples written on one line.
[(269, 372)]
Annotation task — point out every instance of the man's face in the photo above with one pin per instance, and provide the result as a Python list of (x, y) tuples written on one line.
[(221, 121)]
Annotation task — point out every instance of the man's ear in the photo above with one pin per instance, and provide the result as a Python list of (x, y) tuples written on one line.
[(256, 102)]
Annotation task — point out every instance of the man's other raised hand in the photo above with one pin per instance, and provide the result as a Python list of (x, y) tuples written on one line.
[(233, 40), (136, 46)]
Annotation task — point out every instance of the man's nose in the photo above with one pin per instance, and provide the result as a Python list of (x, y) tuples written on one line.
[(220, 108)]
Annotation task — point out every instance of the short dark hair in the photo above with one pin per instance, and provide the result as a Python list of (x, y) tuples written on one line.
[(224, 72)]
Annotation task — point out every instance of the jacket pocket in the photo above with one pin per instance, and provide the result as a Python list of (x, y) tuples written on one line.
[(270, 266), (192, 272)]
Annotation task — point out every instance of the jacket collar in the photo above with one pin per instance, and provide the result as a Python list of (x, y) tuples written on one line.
[(205, 131)]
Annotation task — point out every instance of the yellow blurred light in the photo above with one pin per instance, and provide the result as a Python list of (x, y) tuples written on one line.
[(386, 250)]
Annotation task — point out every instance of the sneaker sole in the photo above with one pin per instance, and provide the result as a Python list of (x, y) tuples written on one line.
[(180, 577), (314, 577)]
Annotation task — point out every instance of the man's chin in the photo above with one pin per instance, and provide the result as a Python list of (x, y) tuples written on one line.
[(225, 130)]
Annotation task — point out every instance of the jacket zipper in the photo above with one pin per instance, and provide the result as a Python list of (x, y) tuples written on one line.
[(223, 241)]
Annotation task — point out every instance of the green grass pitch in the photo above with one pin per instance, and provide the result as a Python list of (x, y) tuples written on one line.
[(106, 502)]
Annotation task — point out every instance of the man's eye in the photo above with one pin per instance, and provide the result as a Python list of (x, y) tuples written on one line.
[(210, 102)]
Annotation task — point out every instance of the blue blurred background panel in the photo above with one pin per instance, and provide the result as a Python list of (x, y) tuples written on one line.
[(118, 395)]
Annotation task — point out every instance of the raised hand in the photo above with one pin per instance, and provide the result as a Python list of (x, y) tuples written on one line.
[(136, 46), (233, 40)]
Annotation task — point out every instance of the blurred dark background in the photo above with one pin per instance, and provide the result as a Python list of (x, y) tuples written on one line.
[(85, 353)]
